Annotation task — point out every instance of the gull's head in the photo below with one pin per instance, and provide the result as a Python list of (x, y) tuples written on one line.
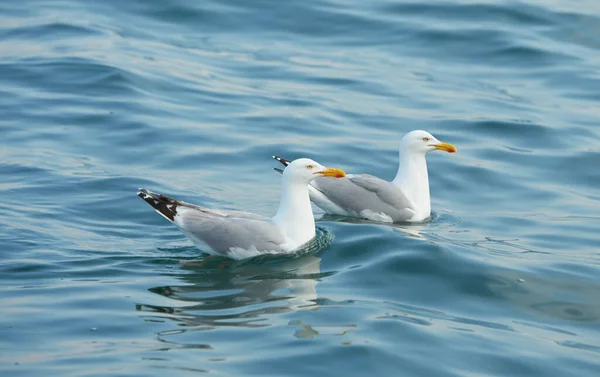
[(305, 170), (421, 142)]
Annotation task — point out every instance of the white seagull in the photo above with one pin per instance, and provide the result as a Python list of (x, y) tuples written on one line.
[(405, 199), (241, 235)]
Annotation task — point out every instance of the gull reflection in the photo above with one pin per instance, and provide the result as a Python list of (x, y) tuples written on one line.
[(215, 292), (414, 230)]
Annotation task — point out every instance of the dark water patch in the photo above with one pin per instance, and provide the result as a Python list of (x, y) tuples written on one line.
[(71, 72), (580, 346), (49, 31), (493, 14)]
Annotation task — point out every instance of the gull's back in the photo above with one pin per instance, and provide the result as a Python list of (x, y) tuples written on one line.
[(219, 232), (363, 195), (224, 233)]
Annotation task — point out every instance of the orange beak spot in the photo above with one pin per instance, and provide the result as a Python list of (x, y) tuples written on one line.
[(445, 147), (332, 172)]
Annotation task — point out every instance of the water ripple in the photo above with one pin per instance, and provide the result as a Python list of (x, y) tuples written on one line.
[(192, 99)]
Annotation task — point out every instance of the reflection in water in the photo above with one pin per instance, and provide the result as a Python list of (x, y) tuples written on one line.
[(560, 299), (216, 292), (424, 231), (414, 230), (308, 331)]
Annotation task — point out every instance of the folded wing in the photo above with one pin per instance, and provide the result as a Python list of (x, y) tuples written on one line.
[(365, 195), (224, 234), (218, 231)]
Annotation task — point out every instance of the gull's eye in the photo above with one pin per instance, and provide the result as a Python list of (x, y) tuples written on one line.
[(425, 139), (309, 167)]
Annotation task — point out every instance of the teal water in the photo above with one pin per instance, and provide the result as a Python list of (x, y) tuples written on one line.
[(192, 98)]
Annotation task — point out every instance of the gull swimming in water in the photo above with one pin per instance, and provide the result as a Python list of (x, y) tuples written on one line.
[(404, 199), (240, 235)]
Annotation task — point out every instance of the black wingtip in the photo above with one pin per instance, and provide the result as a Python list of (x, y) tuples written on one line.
[(162, 204), (278, 170), (283, 161)]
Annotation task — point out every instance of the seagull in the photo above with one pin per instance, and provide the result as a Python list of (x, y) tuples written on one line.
[(404, 199), (240, 235)]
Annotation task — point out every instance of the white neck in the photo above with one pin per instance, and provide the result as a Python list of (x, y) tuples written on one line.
[(294, 216), (413, 180)]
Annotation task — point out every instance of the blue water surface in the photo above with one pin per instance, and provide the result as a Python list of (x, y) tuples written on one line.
[(191, 98)]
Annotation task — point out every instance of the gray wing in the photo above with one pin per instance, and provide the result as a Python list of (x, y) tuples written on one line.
[(224, 230), (217, 230), (364, 192)]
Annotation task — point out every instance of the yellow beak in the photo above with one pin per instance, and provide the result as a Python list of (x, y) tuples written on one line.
[(332, 172), (445, 147)]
